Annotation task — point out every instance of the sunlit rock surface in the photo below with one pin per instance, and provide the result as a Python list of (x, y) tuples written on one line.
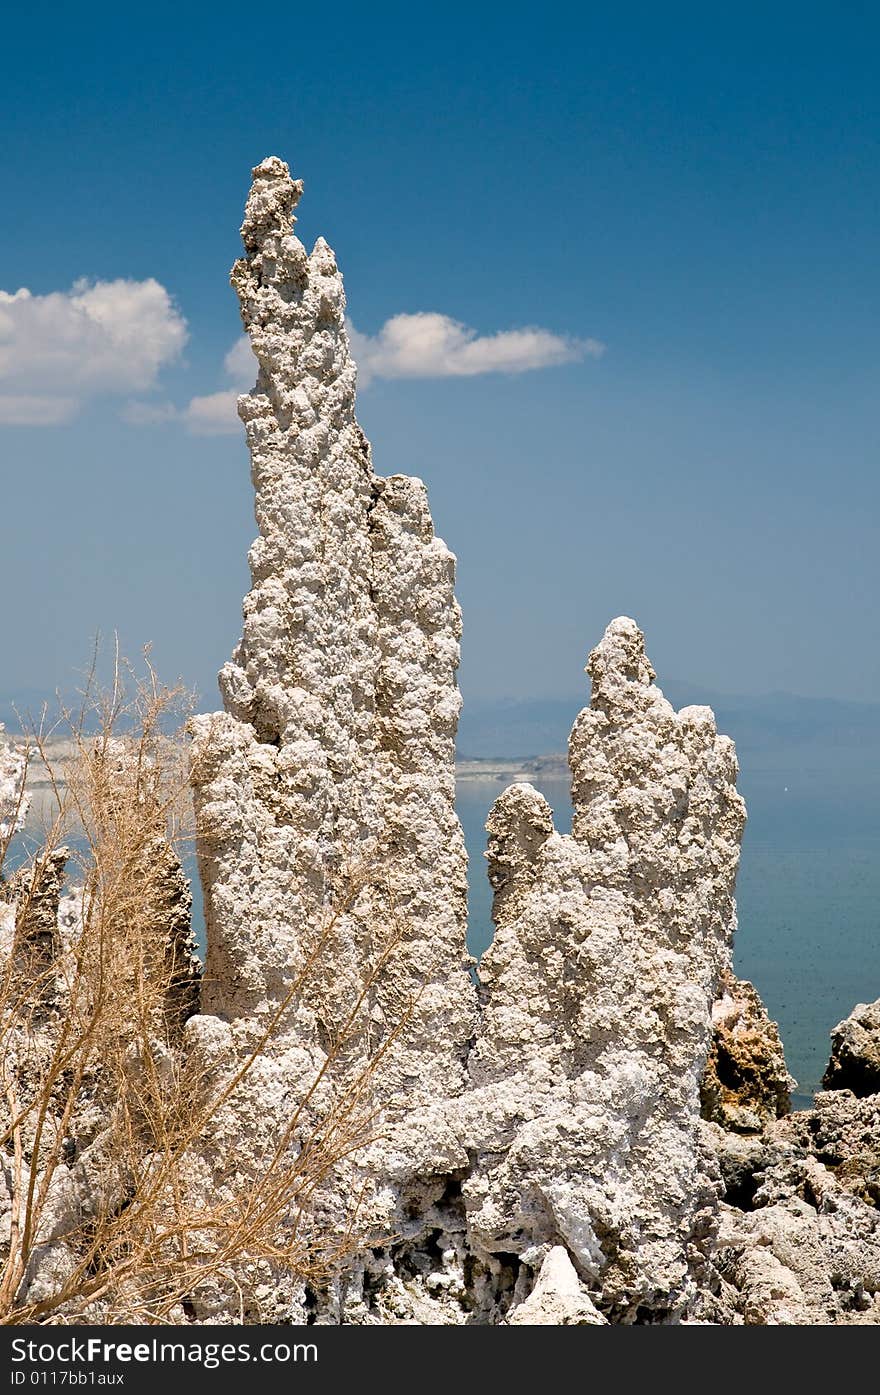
[(561, 1108)]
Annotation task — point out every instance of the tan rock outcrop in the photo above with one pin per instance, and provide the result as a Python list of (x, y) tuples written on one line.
[(746, 1082), (855, 1052), (799, 1235), (35, 893), (801, 1245)]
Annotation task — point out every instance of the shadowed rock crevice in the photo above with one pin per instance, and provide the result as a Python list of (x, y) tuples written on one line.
[(746, 1083)]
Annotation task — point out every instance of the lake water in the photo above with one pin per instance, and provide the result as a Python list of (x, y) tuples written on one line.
[(808, 894)]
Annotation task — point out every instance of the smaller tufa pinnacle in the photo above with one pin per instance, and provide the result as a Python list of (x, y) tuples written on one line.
[(269, 209)]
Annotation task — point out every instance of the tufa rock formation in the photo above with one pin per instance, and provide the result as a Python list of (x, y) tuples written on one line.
[(798, 1239), (799, 1226), (92, 982), (331, 857), (606, 959), (580, 1130), (35, 892), (561, 1108), (327, 833), (13, 798)]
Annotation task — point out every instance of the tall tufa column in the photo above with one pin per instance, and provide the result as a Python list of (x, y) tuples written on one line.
[(332, 860)]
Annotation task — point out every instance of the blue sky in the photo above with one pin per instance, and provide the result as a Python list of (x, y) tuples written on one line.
[(695, 189)]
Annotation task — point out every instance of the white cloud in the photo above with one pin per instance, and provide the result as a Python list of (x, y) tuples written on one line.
[(98, 338), (148, 413), (240, 364), (214, 415), (436, 346)]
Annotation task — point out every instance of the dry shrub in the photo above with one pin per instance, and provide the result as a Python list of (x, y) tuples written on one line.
[(103, 1113)]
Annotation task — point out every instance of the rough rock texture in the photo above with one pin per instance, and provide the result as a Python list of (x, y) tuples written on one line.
[(331, 857), (566, 1116), (598, 988), (165, 898), (13, 800), (580, 1127), (855, 1052), (520, 1146), (37, 936), (558, 1299), (799, 1235), (35, 892), (746, 1083)]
